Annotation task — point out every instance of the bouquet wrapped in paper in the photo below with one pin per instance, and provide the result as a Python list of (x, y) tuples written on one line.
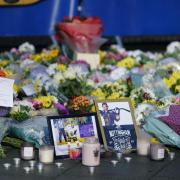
[(81, 34)]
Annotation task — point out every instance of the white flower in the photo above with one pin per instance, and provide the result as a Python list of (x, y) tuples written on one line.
[(119, 73), (26, 63), (51, 70), (173, 47), (17, 105), (58, 77), (26, 48), (150, 92), (118, 48), (90, 82), (141, 111), (74, 71), (135, 53)]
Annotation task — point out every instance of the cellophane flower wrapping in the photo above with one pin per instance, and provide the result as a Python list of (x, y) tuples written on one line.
[(81, 35)]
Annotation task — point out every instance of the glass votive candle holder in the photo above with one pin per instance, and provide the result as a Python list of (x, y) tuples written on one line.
[(46, 154), (27, 151), (157, 151)]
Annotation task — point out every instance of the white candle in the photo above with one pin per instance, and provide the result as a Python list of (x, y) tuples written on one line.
[(143, 147), (46, 154), (91, 153), (143, 143)]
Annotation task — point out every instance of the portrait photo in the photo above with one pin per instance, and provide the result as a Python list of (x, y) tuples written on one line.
[(117, 124), (69, 132)]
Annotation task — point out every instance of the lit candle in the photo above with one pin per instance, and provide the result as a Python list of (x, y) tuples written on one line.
[(143, 144), (91, 152), (46, 154)]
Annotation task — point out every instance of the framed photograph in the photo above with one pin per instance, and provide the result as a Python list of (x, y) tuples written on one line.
[(69, 131), (117, 124)]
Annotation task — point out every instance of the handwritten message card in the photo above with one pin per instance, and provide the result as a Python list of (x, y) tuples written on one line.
[(6, 92)]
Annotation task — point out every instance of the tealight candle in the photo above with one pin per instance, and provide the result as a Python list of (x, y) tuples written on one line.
[(59, 164), (91, 152), (128, 159), (17, 162), (27, 169), (32, 164), (27, 151), (118, 155), (172, 155), (91, 170), (46, 154), (7, 166), (114, 162)]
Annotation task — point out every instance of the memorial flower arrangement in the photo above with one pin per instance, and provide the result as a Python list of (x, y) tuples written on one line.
[(49, 83)]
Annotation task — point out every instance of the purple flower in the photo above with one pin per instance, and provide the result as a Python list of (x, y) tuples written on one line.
[(62, 108), (36, 105), (62, 59)]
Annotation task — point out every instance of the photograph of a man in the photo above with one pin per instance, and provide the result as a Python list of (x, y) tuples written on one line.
[(107, 114)]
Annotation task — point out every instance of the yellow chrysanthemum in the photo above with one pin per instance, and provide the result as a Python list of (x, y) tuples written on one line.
[(61, 67), (128, 62), (54, 53)]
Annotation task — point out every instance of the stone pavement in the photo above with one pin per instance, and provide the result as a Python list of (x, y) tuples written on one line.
[(140, 168)]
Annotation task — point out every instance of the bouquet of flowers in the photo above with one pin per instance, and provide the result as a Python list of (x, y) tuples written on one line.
[(81, 34)]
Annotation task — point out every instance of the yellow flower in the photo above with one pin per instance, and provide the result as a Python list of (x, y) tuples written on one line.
[(98, 93), (154, 140), (54, 53), (133, 102), (8, 73), (4, 63), (114, 95), (176, 75), (36, 57), (16, 88), (61, 67), (177, 88), (93, 109), (47, 101), (128, 62), (37, 86), (167, 83), (102, 55)]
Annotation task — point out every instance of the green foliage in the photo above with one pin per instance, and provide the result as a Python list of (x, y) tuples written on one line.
[(22, 114), (75, 87), (14, 142)]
